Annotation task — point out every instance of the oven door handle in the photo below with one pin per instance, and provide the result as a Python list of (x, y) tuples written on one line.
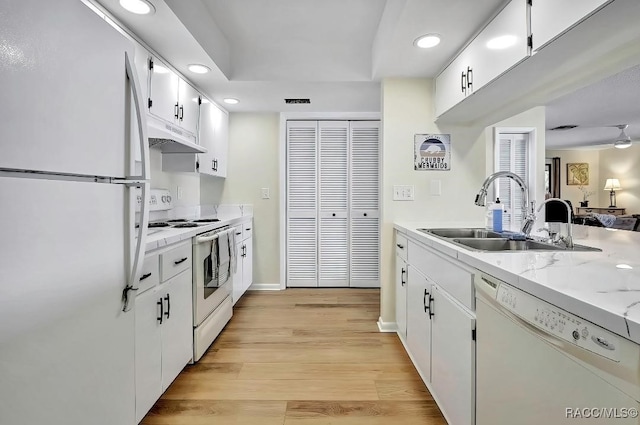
[(202, 239)]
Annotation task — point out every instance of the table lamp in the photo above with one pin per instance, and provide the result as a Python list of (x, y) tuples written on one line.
[(612, 185)]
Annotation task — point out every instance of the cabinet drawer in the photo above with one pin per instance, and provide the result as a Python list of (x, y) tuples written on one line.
[(401, 246), (454, 278), (247, 230), (150, 275), (174, 261)]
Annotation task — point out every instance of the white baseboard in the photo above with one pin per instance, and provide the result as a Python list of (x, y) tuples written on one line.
[(264, 287), (386, 326)]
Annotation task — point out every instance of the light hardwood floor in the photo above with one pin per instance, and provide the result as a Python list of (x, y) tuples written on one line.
[(301, 357)]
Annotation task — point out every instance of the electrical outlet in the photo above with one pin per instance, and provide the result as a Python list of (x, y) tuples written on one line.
[(179, 192), (265, 193), (403, 192)]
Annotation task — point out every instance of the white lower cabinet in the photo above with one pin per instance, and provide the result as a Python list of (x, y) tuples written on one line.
[(440, 327), (243, 277), (452, 357), (163, 330), (401, 296), (419, 323)]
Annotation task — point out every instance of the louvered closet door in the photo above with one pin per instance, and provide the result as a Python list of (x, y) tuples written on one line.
[(364, 203), (302, 252), (333, 187)]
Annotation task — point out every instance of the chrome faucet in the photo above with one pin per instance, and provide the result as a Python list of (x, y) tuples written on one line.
[(529, 217), (568, 240)]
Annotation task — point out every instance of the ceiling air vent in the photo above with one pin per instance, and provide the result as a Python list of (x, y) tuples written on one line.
[(296, 101), (564, 127)]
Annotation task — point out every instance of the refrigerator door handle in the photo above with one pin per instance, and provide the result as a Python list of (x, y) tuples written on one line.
[(138, 257), (140, 117)]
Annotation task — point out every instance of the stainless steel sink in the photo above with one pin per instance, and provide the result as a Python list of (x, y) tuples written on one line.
[(462, 233), (505, 245)]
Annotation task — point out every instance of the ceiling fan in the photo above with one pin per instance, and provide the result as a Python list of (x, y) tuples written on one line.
[(623, 141)]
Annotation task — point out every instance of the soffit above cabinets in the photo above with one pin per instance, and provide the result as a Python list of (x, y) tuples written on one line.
[(333, 52)]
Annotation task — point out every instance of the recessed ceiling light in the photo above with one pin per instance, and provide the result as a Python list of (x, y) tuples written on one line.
[(502, 42), (159, 69), (204, 100), (139, 7), (198, 69), (624, 266), (231, 101), (426, 41)]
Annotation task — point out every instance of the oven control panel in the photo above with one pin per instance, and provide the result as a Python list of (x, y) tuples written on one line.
[(159, 200), (559, 323)]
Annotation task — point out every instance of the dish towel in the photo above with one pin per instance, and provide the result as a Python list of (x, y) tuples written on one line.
[(607, 220), (223, 257), (211, 264), (233, 254)]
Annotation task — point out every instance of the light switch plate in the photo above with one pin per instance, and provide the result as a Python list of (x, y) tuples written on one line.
[(403, 192), (179, 192), (265, 193)]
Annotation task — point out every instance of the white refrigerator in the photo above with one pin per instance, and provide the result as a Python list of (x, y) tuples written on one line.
[(71, 245)]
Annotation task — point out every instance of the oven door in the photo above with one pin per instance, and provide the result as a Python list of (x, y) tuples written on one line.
[(208, 291)]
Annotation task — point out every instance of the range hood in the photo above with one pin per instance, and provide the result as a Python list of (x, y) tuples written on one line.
[(170, 138)]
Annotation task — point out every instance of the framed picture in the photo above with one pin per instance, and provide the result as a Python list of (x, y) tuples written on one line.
[(432, 152), (577, 173)]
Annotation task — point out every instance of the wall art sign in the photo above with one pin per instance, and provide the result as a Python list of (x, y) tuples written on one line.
[(577, 174), (432, 152)]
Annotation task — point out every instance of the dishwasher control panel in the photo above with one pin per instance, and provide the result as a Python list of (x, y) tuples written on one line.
[(559, 323)]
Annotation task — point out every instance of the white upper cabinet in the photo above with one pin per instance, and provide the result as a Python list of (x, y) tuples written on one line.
[(551, 18), (502, 44), (171, 98), (214, 136), (451, 84)]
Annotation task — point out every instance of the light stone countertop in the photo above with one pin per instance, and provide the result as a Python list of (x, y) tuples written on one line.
[(587, 284), (168, 236)]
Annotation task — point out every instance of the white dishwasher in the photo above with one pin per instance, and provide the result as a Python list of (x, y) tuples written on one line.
[(538, 364)]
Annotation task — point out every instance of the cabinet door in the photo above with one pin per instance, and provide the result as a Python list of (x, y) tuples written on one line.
[(551, 18), (333, 199), (238, 284), (177, 326), (148, 352), (501, 45), (163, 92), (401, 297), (364, 203), (247, 264), (451, 84), (189, 109), (221, 141), (453, 351), (419, 322)]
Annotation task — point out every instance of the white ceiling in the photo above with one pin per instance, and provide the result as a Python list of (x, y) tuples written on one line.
[(596, 109), (334, 52)]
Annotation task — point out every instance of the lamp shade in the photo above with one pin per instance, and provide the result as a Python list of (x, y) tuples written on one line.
[(612, 184)]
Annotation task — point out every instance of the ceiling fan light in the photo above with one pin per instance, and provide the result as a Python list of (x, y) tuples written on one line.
[(622, 144), (623, 141)]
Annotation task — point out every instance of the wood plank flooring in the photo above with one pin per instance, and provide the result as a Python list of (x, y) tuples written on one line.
[(301, 357)]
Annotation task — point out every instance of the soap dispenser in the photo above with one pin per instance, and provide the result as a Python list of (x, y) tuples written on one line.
[(496, 216)]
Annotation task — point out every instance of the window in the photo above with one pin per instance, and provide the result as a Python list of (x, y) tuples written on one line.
[(512, 154)]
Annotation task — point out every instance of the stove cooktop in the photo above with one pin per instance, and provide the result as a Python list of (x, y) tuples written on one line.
[(180, 223)]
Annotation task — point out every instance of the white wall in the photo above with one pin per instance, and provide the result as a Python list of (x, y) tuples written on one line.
[(624, 165), (407, 109), (189, 182), (252, 165)]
